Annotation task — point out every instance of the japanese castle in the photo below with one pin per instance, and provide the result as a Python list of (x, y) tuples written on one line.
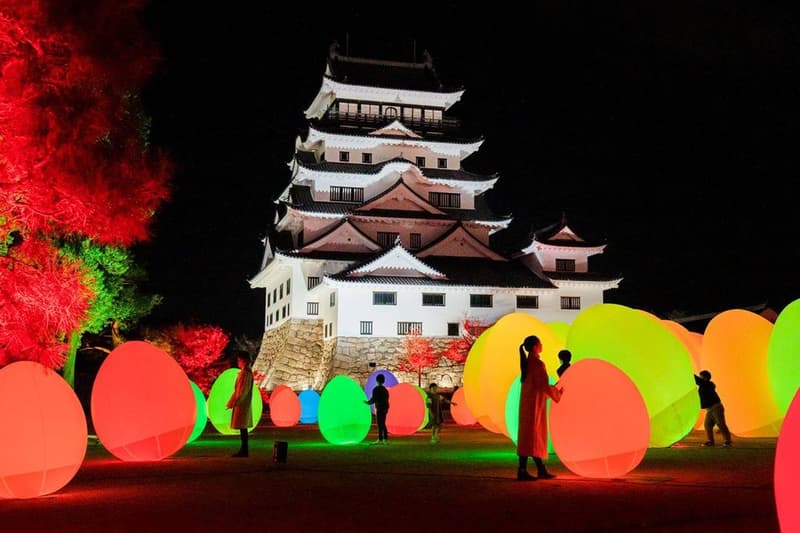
[(381, 232)]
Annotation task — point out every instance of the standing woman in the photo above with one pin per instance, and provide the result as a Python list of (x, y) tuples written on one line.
[(532, 432), (241, 402)]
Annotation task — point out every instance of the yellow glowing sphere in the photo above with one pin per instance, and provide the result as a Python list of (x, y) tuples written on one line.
[(650, 355), (472, 385), (735, 352), (783, 363), (561, 329)]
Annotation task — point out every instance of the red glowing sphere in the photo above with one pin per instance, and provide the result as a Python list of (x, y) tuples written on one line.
[(42, 431), (600, 428), (407, 409), (284, 407), (143, 406), (460, 411), (787, 469)]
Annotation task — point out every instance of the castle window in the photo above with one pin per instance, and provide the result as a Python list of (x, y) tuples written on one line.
[(333, 299), (409, 328), (366, 157), (384, 298), (527, 302), (344, 157), (372, 110), (348, 108), (312, 308), (480, 300), (366, 327), (416, 241), (433, 115), (420, 161), (269, 298), (281, 290), (390, 112), (565, 265), (313, 282), (347, 194), (275, 295), (387, 238), (570, 302), (441, 162), (433, 299), (452, 329), (283, 312), (270, 319), (288, 286), (444, 199)]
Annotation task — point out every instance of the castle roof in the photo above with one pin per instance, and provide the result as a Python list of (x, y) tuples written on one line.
[(309, 162)]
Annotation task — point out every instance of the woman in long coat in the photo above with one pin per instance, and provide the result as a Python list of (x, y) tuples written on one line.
[(535, 389), (241, 402)]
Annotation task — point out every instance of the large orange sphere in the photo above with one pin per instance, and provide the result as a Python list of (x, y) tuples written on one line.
[(459, 410), (143, 406), (42, 431)]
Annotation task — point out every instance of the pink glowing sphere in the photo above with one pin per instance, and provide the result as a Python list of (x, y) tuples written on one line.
[(600, 428), (42, 431), (787, 469), (284, 407), (143, 406), (459, 409), (407, 409)]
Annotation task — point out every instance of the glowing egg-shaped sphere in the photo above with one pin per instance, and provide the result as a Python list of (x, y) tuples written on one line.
[(650, 355), (561, 329), (600, 428), (389, 380), (201, 417), (459, 410), (783, 363), (500, 363), (218, 396), (343, 417), (427, 418), (787, 469), (42, 431), (143, 407), (472, 385), (735, 352), (407, 411), (512, 414), (284, 407), (309, 404)]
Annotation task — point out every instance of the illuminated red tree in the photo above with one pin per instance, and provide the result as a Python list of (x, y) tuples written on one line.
[(419, 355), (458, 350), (74, 163)]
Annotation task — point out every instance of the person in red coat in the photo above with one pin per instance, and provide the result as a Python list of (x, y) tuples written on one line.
[(241, 402), (532, 432)]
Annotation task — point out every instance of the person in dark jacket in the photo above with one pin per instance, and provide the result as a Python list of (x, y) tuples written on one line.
[(715, 412), (565, 356), (434, 402), (380, 398)]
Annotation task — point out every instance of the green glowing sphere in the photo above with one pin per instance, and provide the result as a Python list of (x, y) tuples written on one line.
[(201, 419), (218, 397), (735, 352), (650, 355), (342, 415), (783, 363)]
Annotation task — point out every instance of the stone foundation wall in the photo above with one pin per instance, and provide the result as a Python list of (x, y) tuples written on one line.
[(295, 354)]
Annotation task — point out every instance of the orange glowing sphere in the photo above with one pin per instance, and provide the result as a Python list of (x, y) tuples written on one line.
[(734, 350), (407, 409), (693, 343), (143, 406), (284, 407), (42, 431), (787, 469), (600, 428), (459, 410)]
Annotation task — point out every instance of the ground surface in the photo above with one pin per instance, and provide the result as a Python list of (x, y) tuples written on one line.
[(464, 483)]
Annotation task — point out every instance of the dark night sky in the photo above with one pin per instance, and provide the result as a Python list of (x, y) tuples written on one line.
[(670, 131)]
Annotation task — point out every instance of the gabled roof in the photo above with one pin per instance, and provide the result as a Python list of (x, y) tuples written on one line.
[(395, 129), (560, 234), (396, 261), (399, 197), (342, 237), (458, 242)]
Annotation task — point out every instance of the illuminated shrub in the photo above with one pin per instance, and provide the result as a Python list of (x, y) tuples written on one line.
[(734, 350), (407, 411), (460, 411), (600, 428), (143, 407), (343, 417), (650, 355), (42, 431), (787, 469), (284, 407), (201, 418), (309, 405), (389, 380), (783, 363), (218, 396)]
